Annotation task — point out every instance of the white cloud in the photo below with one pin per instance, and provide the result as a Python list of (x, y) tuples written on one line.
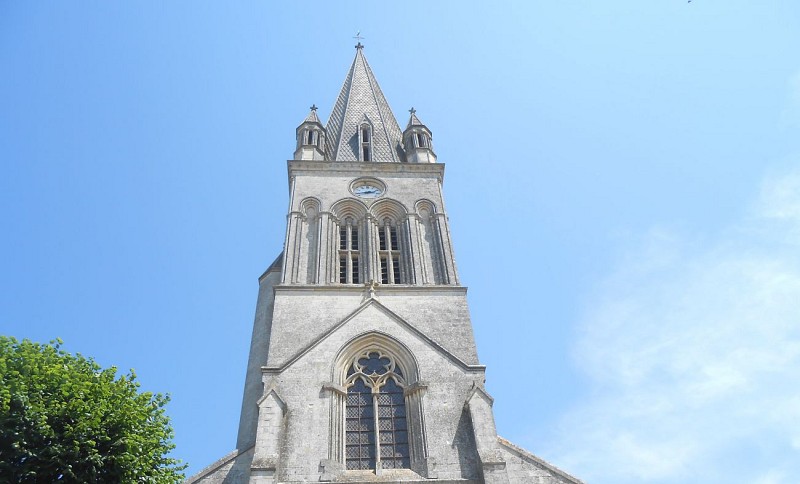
[(693, 349)]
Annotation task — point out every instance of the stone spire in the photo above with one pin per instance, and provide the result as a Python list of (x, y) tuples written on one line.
[(311, 138), (413, 120), (417, 141), (362, 126)]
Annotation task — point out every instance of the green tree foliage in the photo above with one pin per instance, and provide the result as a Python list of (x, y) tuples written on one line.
[(65, 419)]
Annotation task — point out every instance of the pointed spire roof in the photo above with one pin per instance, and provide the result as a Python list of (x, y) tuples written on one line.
[(312, 116), (414, 120), (361, 100)]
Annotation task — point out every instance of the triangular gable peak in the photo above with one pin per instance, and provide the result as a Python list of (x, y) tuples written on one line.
[(371, 302)]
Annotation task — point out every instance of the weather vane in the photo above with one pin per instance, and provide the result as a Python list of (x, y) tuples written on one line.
[(358, 37)]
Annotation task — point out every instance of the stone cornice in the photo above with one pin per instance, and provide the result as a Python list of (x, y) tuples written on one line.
[(361, 168), (383, 289)]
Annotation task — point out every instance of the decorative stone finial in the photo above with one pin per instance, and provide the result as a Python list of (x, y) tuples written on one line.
[(371, 287)]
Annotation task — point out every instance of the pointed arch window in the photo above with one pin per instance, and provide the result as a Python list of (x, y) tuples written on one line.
[(349, 253), (421, 140), (376, 428), (377, 415), (365, 142), (311, 137), (389, 253)]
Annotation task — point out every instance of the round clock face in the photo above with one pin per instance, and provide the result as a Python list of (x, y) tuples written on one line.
[(367, 191)]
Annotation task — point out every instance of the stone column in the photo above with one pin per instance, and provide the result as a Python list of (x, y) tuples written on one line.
[(416, 251), (448, 261), (324, 254), (292, 245), (369, 250), (421, 463), (333, 466)]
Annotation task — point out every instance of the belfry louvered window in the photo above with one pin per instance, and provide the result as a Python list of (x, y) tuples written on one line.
[(376, 428), (389, 253), (311, 137), (365, 142), (349, 254)]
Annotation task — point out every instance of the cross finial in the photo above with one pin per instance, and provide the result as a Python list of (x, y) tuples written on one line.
[(358, 37), (412, 110), (313, 107)]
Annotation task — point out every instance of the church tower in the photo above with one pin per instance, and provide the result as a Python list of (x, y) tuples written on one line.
[(363, 365)]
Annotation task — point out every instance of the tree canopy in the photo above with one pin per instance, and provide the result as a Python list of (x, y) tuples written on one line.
[(65, 419)]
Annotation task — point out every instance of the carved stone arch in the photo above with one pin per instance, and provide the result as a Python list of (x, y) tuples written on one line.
[(350, 384), (349, 207), (388, 208), (349, 242), (424, 206), (378, 341), (302, 247), (389, 221), (310, 203)]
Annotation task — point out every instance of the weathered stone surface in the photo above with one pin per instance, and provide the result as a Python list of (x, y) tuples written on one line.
[(366, 295)]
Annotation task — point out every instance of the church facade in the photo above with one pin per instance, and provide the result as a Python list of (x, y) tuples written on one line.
[(363, 365)]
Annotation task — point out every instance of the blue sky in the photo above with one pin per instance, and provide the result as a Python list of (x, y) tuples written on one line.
[(622, 183)]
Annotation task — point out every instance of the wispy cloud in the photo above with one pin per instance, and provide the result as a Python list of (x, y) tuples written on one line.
[(693, 348)]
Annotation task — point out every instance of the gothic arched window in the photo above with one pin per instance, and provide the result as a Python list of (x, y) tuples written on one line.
[(389, 253), (422, 140), (376, 429), (349, 254)]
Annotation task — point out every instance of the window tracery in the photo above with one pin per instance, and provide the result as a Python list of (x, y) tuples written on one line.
[(376, 429), (377, 417)]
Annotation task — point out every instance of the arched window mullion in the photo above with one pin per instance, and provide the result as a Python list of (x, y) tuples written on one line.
[(389, 249), (349, 253), (377, 438)]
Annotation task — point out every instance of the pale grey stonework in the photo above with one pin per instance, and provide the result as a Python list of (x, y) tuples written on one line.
[(313, 320)]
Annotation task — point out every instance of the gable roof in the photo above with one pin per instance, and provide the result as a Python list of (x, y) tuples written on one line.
[(392, 316)]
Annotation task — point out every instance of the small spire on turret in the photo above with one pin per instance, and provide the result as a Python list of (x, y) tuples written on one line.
[(417, 141), (414, 120), (312, 115), (311, 137)]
